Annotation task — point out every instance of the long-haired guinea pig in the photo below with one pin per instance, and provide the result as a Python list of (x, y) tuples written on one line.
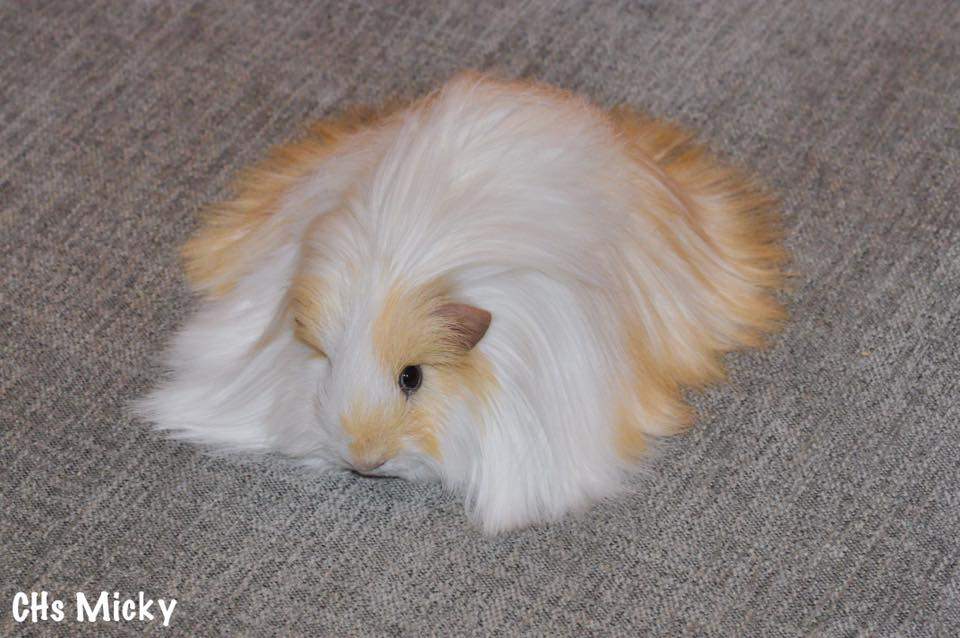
[(500, 286)]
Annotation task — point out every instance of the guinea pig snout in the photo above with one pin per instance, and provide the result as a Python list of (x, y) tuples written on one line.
[(371, 441), (366, 455), (366, 465)]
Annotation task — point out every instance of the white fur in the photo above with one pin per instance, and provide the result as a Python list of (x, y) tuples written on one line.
[(525, 202)]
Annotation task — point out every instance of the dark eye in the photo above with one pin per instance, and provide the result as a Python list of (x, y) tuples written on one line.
[(410, 378)]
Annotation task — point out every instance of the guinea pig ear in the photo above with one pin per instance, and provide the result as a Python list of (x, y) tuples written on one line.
[(468, 323)]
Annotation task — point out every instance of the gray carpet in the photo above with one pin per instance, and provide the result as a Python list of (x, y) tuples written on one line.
[(818, 493)]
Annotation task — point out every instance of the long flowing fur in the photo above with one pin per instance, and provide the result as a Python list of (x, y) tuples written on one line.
[(617, 259)]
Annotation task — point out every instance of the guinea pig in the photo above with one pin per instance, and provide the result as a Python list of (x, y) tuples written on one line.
[(500, 286)]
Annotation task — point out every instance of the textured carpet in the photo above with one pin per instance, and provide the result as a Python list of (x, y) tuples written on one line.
[(818, 493)]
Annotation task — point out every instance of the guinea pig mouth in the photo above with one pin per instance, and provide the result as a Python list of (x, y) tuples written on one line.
[(370, 474)]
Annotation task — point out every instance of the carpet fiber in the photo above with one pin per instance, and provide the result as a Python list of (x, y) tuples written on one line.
[(819, 491)]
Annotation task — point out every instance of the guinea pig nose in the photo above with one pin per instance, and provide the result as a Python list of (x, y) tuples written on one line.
[(365, 466)]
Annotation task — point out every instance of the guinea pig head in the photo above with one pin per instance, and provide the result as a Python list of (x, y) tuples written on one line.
[(398, 357)]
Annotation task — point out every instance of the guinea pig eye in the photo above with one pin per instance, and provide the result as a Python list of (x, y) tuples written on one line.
[(410, 379)]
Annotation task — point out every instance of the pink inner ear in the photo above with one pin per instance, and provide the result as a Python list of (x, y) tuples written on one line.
[(469, 322)]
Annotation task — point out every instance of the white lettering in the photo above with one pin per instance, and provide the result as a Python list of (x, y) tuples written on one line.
[(57, 610), (91, 613), (21, 599), (166, 611), (144, 607), (38, 606)]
